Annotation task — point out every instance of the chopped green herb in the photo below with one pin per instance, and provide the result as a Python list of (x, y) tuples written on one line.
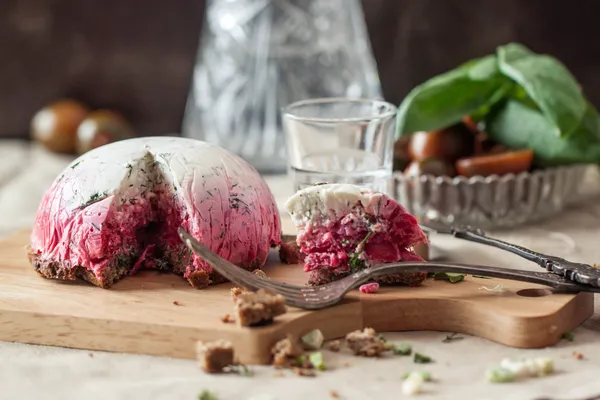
[(76, 164), (481, 277), (320, 183), (355, 263), (207, 395), (94, 198), (316, 360), (130, 168), (449, 276), (421, 359), (362, 244), (426, 376), (95, 226), (568, 336), (452, 337), (404, 349), (382, 338), (500, 375), (313, 340), (174, 187)]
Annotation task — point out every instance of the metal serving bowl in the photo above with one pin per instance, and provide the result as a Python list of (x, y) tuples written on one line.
[(494, 201)]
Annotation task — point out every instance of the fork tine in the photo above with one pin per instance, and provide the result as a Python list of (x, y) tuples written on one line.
[(224, 267), (236, 274)]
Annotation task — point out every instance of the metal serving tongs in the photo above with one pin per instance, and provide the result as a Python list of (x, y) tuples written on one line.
[(576, 272)]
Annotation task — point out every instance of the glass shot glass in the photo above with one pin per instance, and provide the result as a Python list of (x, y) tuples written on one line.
[(340, 140)]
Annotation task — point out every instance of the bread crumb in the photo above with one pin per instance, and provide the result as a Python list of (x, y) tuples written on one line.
[(227, 319), (214, 356), (334, 346), (261, 273), (577, 355), (256, 308), (236, 291), (286, 352), (304, 372), (176, 303), (366, 343), (333, 394)]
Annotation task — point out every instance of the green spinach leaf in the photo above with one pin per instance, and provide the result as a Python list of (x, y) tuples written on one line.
[(447, 98), (548, 83), (518, 126)]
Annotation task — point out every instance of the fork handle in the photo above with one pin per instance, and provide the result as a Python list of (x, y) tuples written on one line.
[(578, 272), (543, 278)]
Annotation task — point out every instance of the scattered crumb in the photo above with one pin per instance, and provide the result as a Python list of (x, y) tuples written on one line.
[(261, 273), (213, 357), (255, 308), (334, 346), (333, 394), (91, 355), (286, 352), (577, 355), (176, 303), (313, 340), (366, 343), (227, 319), (452, 338), (304, 372), (369, 288), (236, 291), (412, 385)]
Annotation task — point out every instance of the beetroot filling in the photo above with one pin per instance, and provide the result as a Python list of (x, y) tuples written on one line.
[(356, 239)]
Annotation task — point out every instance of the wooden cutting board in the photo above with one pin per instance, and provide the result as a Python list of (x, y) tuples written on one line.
[(159, 314)]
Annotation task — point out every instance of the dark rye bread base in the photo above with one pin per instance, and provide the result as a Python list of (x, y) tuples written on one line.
[(324, 276), (56, 270)]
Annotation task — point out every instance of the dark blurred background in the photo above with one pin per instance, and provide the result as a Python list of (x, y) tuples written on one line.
[(138, 56)]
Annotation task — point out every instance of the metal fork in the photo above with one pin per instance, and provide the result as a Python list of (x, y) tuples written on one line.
[(316, 297)]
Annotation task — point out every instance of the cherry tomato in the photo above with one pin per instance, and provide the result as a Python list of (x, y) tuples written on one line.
[(449, 144), (496, 164), (101, 127), (431, 166), (55, 126)]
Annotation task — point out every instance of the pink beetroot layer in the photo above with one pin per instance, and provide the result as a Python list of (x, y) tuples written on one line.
[(382, 230)]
